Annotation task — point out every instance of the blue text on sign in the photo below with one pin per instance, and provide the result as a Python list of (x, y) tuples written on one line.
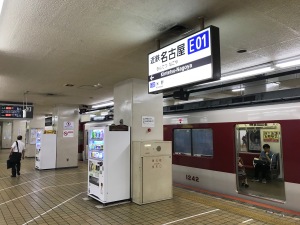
[(198, 42)]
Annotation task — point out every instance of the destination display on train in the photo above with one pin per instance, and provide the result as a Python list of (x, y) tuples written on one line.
[(189, 61), (15, 111)]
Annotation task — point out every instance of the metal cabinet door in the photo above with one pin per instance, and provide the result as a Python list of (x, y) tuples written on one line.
[(157, 178)]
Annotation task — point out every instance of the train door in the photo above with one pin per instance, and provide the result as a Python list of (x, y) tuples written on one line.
[(259, 164)]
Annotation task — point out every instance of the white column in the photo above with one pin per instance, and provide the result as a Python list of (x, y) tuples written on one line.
[(66, 121), (6, 134), (132, 102)]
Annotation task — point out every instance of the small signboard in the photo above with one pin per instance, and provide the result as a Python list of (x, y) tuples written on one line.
[(48, 121), (148, 121), (69, 125), (68, 133)]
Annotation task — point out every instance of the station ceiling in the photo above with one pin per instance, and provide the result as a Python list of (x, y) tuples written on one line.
[(94, 44)]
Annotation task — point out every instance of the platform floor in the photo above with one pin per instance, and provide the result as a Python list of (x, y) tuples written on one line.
[(57, 197)]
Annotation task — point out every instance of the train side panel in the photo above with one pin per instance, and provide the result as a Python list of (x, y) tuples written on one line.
[(217, 173)]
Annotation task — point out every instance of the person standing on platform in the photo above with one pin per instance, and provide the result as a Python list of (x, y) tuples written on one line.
[(17, 152)]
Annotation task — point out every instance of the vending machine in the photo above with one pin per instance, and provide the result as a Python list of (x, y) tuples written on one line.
[(45, 157), (109, 163)]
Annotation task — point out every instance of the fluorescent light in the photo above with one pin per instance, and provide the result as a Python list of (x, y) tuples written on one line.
[(1, 5), (248, 73), (288, 64), (189, 101), (102, 105), (272, 85), (98, 117), (92, 112), (241, 75), (238, 89)]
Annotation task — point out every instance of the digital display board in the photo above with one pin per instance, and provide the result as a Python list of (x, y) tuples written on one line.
[(15, 111), (189, 61)]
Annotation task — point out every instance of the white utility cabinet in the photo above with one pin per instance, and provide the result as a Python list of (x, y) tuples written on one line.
[(46, 152), (109, 163), (151, 171)]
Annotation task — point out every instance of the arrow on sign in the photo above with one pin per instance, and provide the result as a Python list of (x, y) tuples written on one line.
[(151, 77)]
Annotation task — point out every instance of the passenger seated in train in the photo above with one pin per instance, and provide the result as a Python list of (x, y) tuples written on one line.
[(262, 165), (242, 174)]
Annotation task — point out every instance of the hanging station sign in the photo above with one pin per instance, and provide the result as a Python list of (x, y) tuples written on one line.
[(15, 111), (189, 61)]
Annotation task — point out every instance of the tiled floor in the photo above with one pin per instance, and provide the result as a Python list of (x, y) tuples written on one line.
[(56, 197)]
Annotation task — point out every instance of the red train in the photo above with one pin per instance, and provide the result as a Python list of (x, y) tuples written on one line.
[(207, 144)]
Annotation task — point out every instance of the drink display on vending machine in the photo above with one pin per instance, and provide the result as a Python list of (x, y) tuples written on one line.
[(38, 139), (109, 164), (95, 154)]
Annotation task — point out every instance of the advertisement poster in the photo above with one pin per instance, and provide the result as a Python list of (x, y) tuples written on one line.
[(254, 142), (32, 138), (271, 136)]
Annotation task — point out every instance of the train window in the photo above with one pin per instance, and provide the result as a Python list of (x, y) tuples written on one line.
[(182, 141), (202, 142)]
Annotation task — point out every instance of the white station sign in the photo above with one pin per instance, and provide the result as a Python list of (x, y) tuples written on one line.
[(194, 59)]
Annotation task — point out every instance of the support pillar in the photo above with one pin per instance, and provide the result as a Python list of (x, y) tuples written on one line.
[(141, 111), (66, 122)]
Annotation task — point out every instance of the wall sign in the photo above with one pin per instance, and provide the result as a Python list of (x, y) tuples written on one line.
[(148, 121), (68, 125), (189, 61), (68, 133), (48, 121)]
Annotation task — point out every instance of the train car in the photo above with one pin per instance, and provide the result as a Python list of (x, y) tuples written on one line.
[(207, 146)]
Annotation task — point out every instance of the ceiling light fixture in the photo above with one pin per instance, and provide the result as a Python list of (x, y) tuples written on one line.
[(69, 85), (288, 64), (241, 50), (98, 85), (238, 89), (272, 85), (102, 105), (247, 73)]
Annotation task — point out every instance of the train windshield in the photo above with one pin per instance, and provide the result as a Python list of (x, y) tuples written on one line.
[(259, 164)]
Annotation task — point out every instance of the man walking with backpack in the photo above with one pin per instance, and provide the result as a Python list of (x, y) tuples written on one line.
[(17, 152)]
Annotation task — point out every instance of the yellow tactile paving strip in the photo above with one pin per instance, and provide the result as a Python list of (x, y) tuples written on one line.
[(56, 197)]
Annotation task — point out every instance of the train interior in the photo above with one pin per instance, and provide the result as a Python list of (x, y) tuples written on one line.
[(249, 141)]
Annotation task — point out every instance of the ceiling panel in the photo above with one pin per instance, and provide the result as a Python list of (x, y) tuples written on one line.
[(46, 44)]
